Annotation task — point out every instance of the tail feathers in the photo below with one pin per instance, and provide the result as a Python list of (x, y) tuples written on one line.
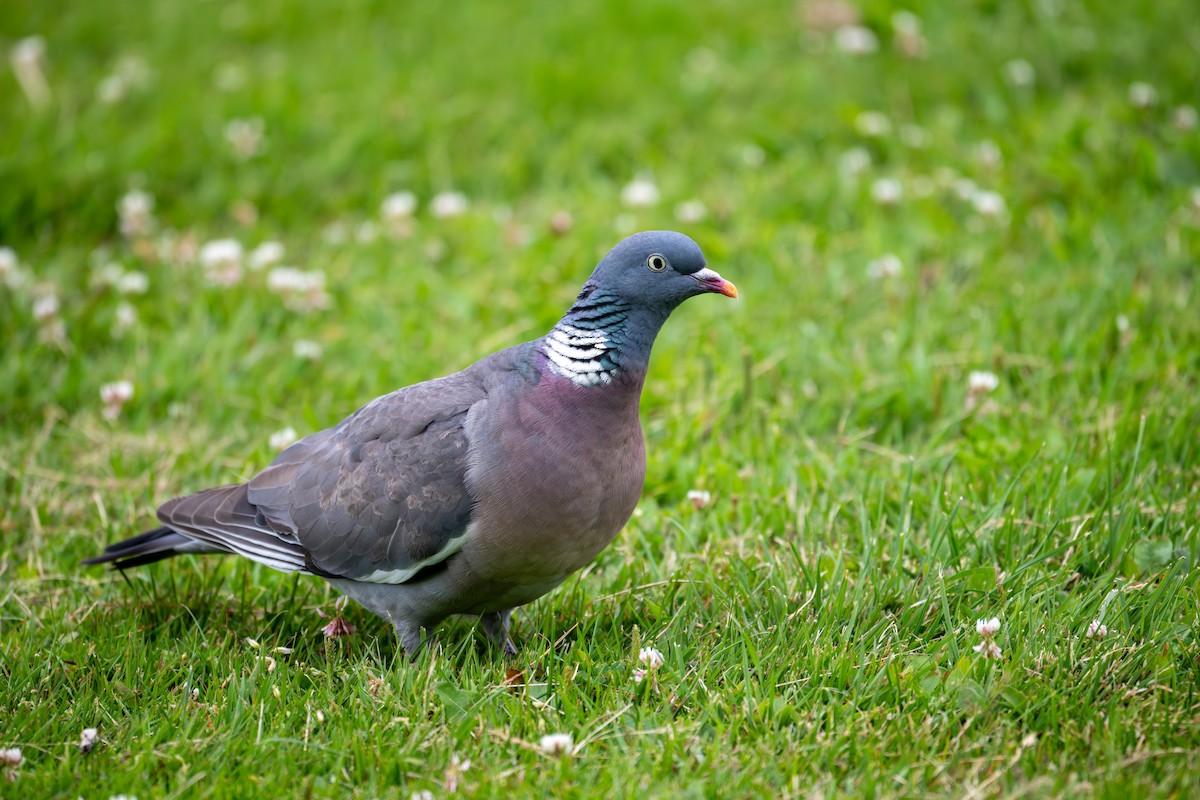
[(149, 547)]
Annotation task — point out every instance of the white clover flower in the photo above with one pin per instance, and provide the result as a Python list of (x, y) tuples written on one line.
[(690, 212), (989, 204), (421, 794), (125, 318), (887, 265), (988, 153), (177, 249), (1020, 73), (131, 73), (909, 41), (10, 268), (135, 211), (753, 156), (887, 191), (1096, 630), (448, 204), (307, 349), (28, 58), (285, 279), (1185, 118), (11, 757), (699, 498), (853, 162), (267, 254), (979, 385), (245, 136), (639, 192), (872, 124), (117, 392), (114, 396), (1142, 95), (829, 15), (981, 382), (87, 739), (651, 658), (109, 274), (639, 675), (301, 291), (46, 311), (30, 50), (987, 628), (561, 222), (111, 89), (964, 188), (46, 308), (335, 233), (133, 69), (988, 649), (133, 282), (222, 261), (244, 212), (558, 744), (282, 439), (906, 23), (855, 40), (366, 232), (229, 76), (398, 206), (454, 772)]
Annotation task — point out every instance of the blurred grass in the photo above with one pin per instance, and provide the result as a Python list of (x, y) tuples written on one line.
[(817, 619)]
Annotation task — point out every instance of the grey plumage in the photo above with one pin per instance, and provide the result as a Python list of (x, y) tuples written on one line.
[(473, 493)]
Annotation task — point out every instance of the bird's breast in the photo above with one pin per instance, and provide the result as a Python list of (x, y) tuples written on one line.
[(555, 475)]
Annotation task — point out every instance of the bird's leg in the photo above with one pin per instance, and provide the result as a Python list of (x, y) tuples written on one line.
[(495, 626), (409, 634)]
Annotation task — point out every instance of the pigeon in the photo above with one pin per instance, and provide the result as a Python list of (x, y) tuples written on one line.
[(470, 494)]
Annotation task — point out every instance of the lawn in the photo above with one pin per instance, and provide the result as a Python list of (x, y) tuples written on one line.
[(961, 383)]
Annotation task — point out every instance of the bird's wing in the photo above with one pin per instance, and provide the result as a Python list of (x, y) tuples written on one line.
[(375, 498), (224, 518)]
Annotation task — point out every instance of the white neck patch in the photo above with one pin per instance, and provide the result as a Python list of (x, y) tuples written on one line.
[(579, 355)]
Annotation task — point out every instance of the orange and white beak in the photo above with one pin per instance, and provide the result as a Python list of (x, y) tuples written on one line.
[(712, 282)]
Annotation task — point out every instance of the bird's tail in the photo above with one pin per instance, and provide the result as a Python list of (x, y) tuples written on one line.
[(147, 548)]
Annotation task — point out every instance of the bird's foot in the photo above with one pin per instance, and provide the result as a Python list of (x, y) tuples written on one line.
[(495, 627), (409, 634)]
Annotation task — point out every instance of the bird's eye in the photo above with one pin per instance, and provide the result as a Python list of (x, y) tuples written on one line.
[(656, 262)]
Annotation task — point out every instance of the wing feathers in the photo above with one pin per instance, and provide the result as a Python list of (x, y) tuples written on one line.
[(225, 518), (378, 497)]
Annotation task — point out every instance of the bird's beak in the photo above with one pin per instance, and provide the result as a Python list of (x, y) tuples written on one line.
[(712, 282)]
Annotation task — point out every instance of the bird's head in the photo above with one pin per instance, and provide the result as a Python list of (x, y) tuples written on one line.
[(657, 269)]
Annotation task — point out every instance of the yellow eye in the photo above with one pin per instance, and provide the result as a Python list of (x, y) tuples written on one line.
[(656, 262)]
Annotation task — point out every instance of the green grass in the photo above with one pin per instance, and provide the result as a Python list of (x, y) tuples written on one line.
[(817, 619)]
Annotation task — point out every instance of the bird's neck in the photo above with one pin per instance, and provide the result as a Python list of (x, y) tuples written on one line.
[(602, 339)]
